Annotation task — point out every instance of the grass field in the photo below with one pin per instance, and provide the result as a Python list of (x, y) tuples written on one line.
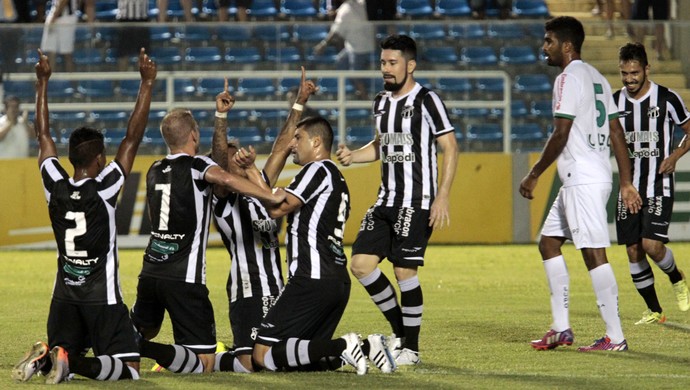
[(482, 306)]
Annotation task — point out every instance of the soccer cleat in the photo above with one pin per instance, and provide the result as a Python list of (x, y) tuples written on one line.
[(60, 370), (394, 344), (379, 354), (157, 368), (353, 355), (651, 317), (221, 347), (682, 294), (31, 363), (553, 339), (408, 357), (605, 344)]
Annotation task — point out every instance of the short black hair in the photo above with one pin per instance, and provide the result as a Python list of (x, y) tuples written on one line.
[(404, 43), (567, 29), (633, 52), (318, 126), (85, 144)]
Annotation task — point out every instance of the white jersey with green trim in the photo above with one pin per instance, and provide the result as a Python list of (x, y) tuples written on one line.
[(583, 95)]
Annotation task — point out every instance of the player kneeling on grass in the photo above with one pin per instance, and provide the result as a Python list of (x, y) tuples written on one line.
[(87, 310), (296, 332)]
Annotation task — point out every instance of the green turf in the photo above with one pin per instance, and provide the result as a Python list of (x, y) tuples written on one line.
[(482, 306)]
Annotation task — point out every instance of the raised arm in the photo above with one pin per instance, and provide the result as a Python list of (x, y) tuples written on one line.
[(281, 150), (140, 116), (46, 145), (219, 148)]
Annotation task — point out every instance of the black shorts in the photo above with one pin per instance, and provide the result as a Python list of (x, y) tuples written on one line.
[(308, 309), (661, 9), (246, 315), (131, 39), (238, 3), (399, 234), (188, 306), (105, 328), (652, 221)]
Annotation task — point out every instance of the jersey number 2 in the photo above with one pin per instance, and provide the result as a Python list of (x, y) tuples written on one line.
[(70, 234)]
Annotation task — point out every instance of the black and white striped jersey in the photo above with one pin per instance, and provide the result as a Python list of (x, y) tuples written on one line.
[(315, 231), (407, 128), (251, 237), (82, 215), (649, 126), (178, 200)]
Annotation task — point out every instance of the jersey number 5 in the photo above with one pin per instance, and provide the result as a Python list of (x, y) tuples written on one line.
[(601, 108)]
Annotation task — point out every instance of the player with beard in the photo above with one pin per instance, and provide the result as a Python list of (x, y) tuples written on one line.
[(584, 123), (411, 121), (648, 112)]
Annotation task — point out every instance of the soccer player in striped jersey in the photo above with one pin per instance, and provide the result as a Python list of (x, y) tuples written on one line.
[(585, 122), (649, 113), (411, 121), (251, 236), (87, 310), (173, 276), (296, 332)]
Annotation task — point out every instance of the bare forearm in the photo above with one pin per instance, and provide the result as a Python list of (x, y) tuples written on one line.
[(139, 118), (620, 152), (4, 130), (281, 147), (219, 149), (41, 126), (553, 148), (367, 153)]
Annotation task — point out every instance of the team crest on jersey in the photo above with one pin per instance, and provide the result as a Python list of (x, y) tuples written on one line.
[(653, 112), (407, 112), (75, 195)]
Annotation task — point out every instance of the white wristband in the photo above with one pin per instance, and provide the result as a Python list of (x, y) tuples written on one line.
[(221, 115), (298, 107)]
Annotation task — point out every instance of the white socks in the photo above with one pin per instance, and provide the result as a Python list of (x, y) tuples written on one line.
[(559, 284), (606, 291)]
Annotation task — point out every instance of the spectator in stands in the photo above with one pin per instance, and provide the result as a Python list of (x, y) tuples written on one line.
[(9, 44), (381, 9), (14, 130), (242, 7), (660, 13), (607, 12), (163, 10), (479, 8), (59, 31), (357, 33), (89, 9), (132, 39)]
